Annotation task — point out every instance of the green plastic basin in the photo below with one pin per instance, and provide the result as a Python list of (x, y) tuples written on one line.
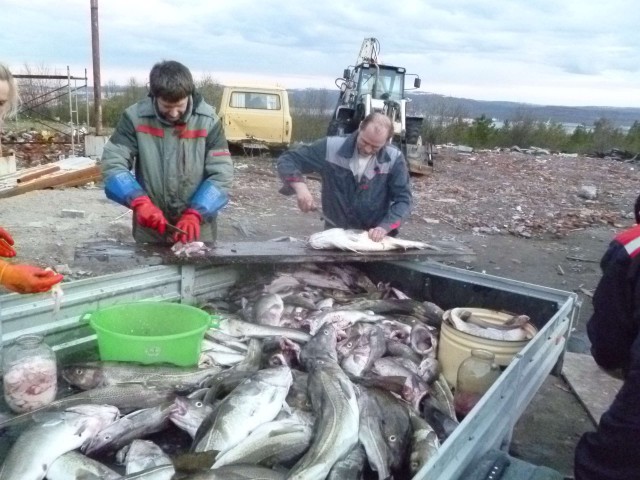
[(150, 332)]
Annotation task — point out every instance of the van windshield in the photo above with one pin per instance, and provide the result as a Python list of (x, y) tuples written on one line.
[(256, 100)]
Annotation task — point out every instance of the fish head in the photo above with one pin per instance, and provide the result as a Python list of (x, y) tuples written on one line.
[(346, 346), (414, 391), (279, 376), (268, 309), (425, 446), (423, 341), (84, 376), (429, 369), (322, 344), (180, 406)]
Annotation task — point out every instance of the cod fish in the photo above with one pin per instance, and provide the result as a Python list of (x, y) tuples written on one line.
[(268, 309), (240, 328), (137, 424), (126, 396), (188, 413), (239, 472), (335, 405), (141, 455), (358, 241), (278, 442), (257, 400), (90, 375), (384, 430), (73, 465), (53, 435), (424, 443), (365, 345), (351, 466)]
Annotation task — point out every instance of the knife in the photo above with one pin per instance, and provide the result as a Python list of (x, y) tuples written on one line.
[(174, 229), (325, 218)]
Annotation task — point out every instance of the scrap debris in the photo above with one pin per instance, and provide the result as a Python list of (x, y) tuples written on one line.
[(495, 192)]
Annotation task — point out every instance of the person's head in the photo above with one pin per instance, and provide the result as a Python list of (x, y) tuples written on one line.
[(8, 94), (374, 133), (171, 84)]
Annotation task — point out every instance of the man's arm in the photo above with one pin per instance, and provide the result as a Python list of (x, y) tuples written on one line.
[(611, 328), (117, 162), (218, 163), (293, 164), (400, 195), (121, 148)]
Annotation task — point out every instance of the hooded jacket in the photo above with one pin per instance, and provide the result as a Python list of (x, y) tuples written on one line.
[(170, 161)]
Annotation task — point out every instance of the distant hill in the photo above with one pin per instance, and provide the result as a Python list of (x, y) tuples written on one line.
[(433, 104)]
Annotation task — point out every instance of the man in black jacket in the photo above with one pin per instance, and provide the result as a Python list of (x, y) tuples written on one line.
[(613, 450)]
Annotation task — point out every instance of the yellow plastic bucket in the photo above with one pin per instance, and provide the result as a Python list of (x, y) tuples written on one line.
[(455, 346), (151, 332)]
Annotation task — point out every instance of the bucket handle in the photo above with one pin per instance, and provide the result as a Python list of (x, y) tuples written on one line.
[(85, 317), (214, 321)]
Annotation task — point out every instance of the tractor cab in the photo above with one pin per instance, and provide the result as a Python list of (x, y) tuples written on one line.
[(374, 87)]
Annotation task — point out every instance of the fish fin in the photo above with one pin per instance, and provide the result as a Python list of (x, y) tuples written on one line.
[(195, 461), (83, 474), (47, 419), (346, 387), (286, 408), (285, 430)]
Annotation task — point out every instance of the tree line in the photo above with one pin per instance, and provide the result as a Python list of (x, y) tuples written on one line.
[(312, 109)]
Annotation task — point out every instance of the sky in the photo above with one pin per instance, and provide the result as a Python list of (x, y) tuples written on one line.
[(546, 52)]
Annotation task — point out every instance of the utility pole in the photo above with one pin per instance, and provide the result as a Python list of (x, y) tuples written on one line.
[(97, 85)]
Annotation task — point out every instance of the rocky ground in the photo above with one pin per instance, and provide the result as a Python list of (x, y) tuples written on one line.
[(540, 219)]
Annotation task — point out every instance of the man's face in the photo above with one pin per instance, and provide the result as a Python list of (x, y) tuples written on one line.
[(371, 140), (172, 111)]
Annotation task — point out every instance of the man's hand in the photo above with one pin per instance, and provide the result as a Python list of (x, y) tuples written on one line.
[(148, 214), (27, 279), (6, 242), (377, 234), (190, 223), (305, 199)]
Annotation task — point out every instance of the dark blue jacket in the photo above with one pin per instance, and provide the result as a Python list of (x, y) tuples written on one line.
[(613, 450), (382, 198)]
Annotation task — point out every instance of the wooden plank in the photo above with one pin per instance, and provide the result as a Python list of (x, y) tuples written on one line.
[(298, 252), (226, 253), (594, 388), (38, 173), (79, 177)]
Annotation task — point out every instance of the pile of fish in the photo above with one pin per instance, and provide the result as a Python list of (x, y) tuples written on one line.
[(358, 241), (314, 372)]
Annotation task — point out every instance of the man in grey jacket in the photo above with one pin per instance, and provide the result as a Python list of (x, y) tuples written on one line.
[(173, 143), (365, 180)]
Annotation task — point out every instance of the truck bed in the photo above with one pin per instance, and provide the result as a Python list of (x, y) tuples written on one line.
[(488, 426)]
